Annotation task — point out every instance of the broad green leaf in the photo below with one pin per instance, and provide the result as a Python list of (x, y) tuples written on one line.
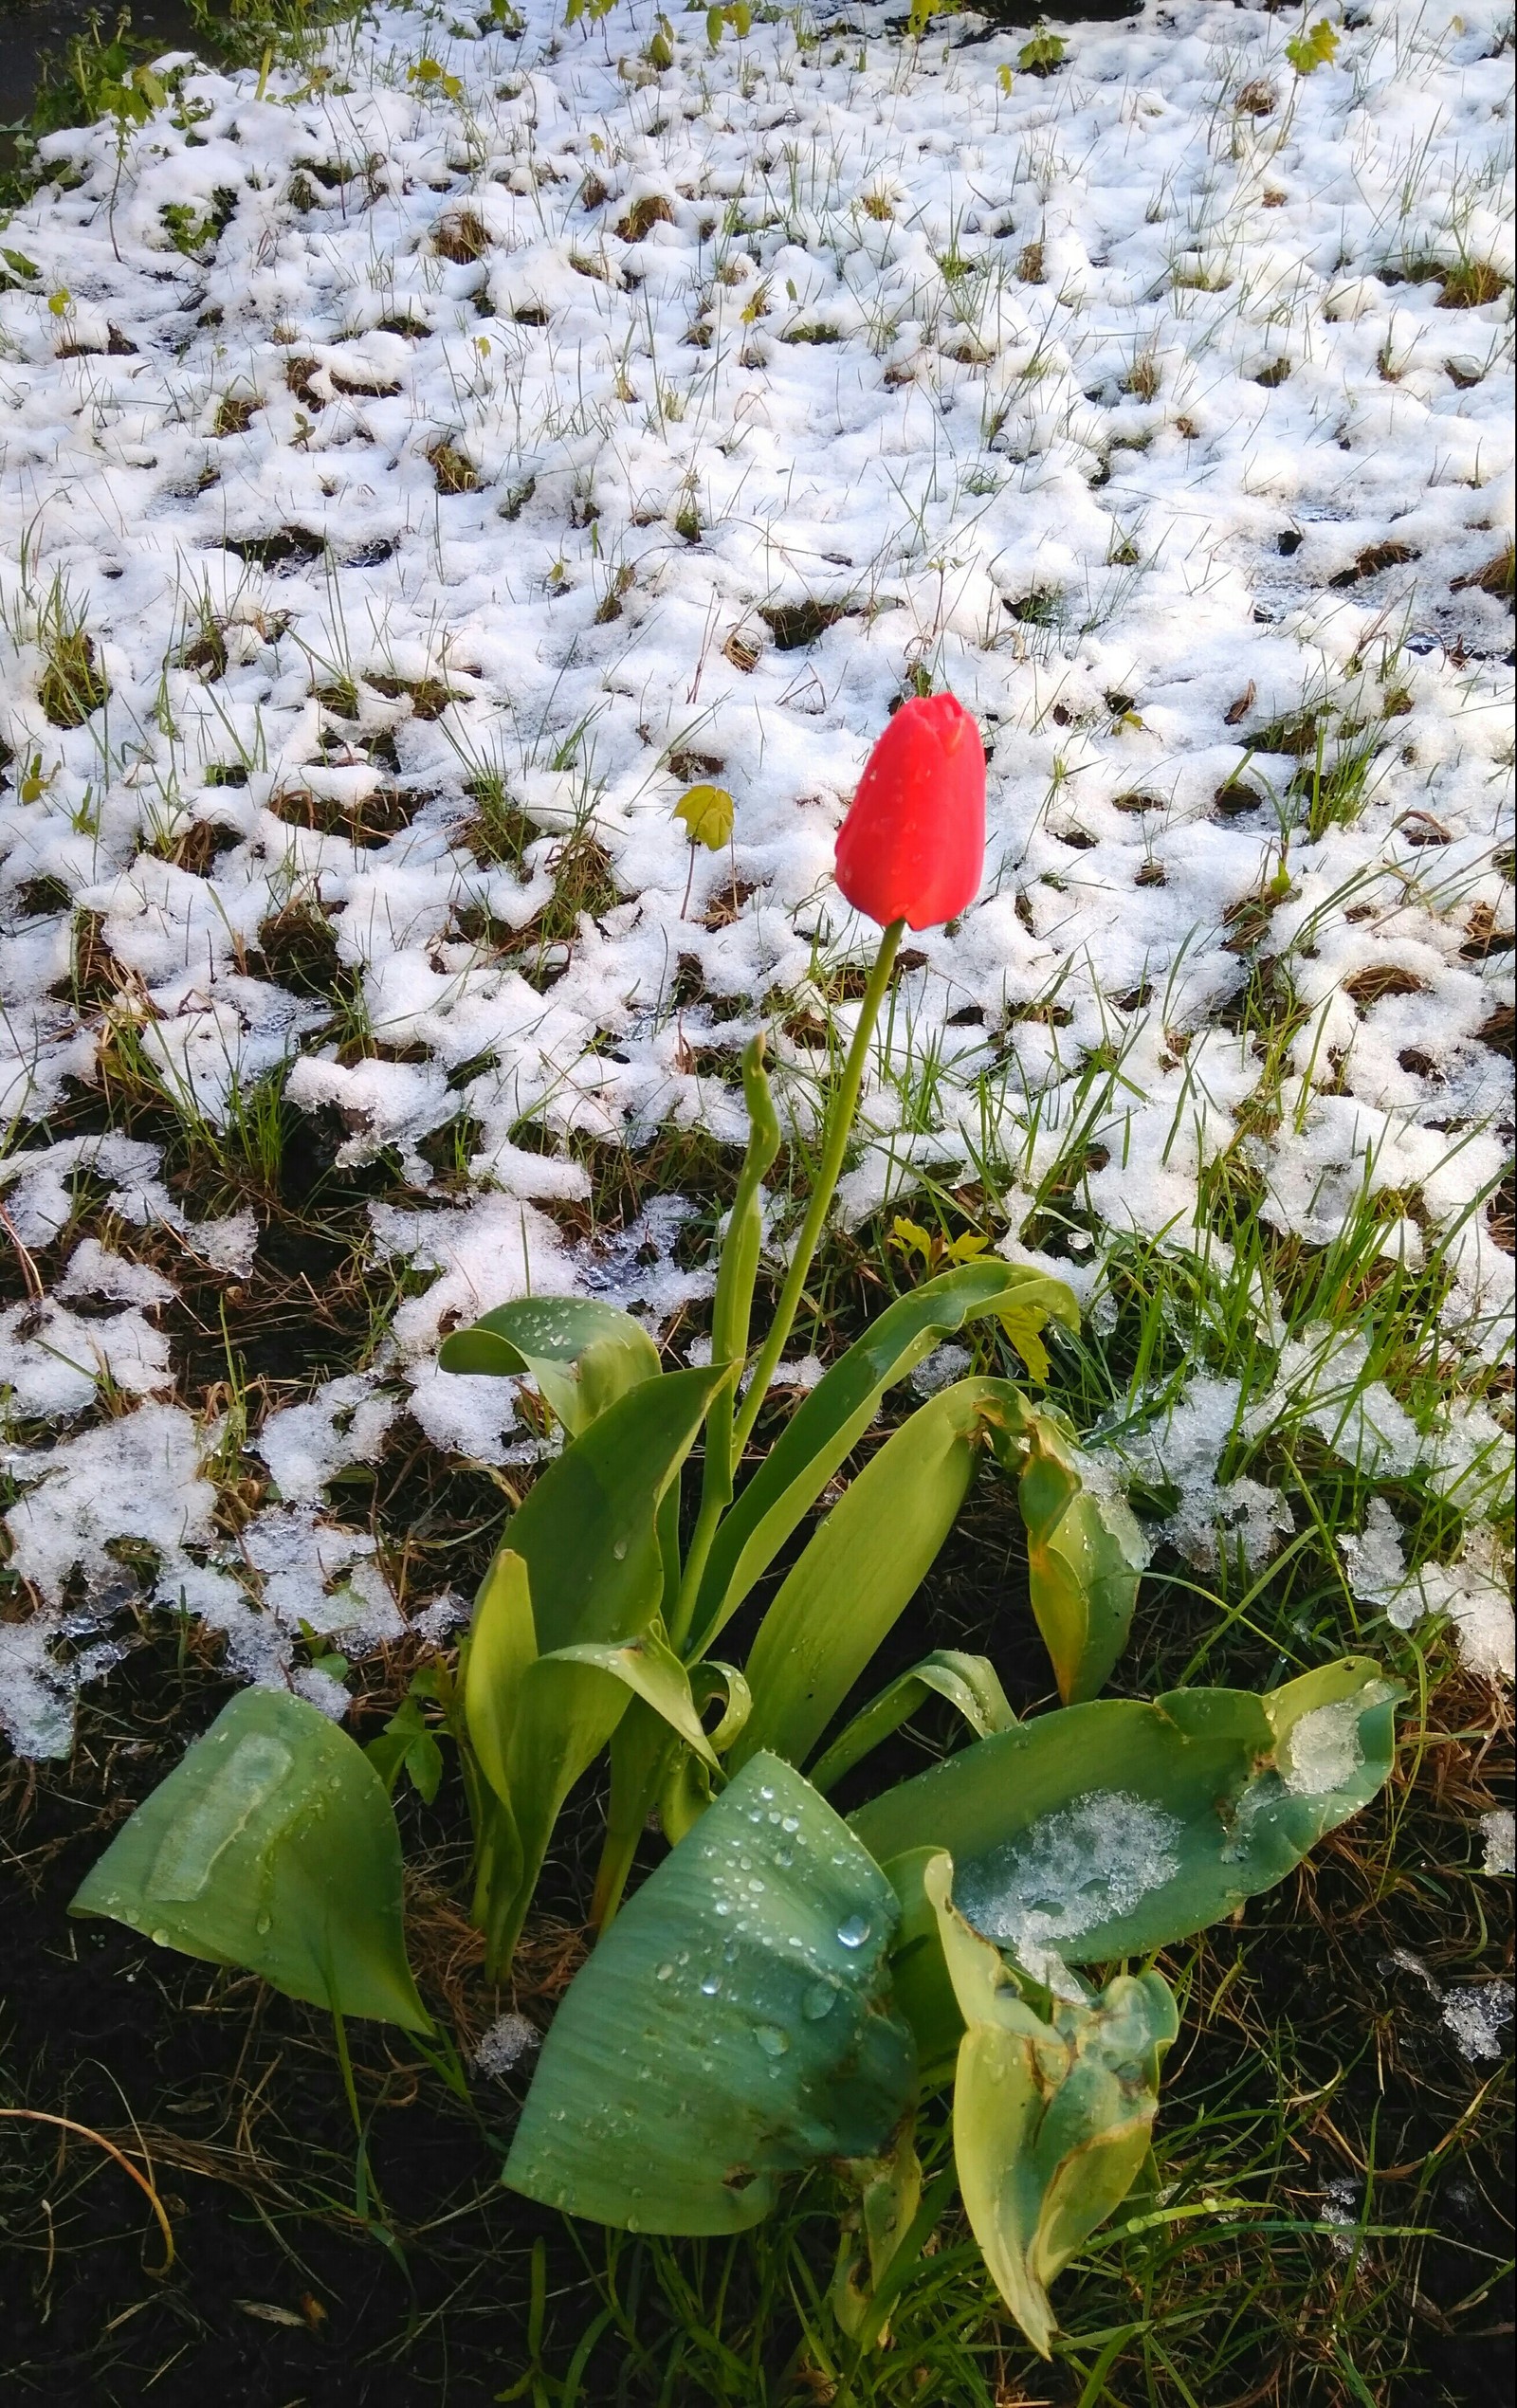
[(1113, 1829), (581, 1567), (970, 1684), (1051, 2118), (1084, 1556), (826, 1428), (581, 1353), (588, 1529), (651, 1772), (862, 1568), (707, 813), (643, 1749), (271, 1845), (731, 2026)]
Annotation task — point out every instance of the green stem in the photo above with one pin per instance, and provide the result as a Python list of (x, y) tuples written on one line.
[(839, 1124)]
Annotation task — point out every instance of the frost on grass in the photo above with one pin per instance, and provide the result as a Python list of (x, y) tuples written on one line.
[(1070, 1870), (451, 508)]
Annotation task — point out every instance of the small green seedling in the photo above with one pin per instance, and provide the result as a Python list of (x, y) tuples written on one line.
[(1317, 48), (1043, 52)]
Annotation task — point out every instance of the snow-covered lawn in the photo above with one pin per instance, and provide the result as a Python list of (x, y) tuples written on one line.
[(411, 481)]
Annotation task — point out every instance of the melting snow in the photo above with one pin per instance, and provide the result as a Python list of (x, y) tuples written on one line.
[(1478, 2018), (509, 2039), (1142, 443), (1084, 1865), (1500, 1829)]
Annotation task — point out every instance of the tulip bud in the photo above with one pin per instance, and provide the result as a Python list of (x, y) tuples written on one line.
[(912, 846)]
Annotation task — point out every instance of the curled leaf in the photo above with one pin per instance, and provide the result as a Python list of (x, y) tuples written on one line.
[(1052, 2116)]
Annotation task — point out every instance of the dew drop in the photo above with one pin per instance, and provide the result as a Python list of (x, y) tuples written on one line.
[(771, 2040), (159, 1937), (262, 1922), (790, 1822), (819, 2001), (854, 1933), (666, 1973), (619, 1550), (710, 1984)]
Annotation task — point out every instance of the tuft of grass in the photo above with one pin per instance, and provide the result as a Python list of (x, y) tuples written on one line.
[(72, 686), (794, 625), (463, 239), (455, 470)]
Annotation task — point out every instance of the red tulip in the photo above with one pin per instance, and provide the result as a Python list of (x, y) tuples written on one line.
[(912, 846)]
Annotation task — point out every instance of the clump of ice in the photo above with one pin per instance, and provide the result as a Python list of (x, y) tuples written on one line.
[(92, 1271), (443, 1616), (1477, 2017), (139, 1477), (1184, 1452), (305, 1444), (1321, 1382), (1473, 1590), (1082, 1866), (53, 1362), (1500, 1830), (509, 2039), (935, 1370), (1376, 1566), (1341, 2197), (39, 1203)]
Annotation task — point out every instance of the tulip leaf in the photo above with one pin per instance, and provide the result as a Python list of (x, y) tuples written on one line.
[(862, 1568), (825, 1430), (1085, 1555), (732, 1305), (272, 1846), (1051, 2117), (581, 1353), (970, 1683), (1115, 1828), (889, 2192), (649, 1667), (731, 2026), (503, 1645), (684, 1788), (581, 1567), (588, 1531)]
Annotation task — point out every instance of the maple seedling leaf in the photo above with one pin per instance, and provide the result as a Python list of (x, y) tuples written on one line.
[(707, 811), (1022, 1329)]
